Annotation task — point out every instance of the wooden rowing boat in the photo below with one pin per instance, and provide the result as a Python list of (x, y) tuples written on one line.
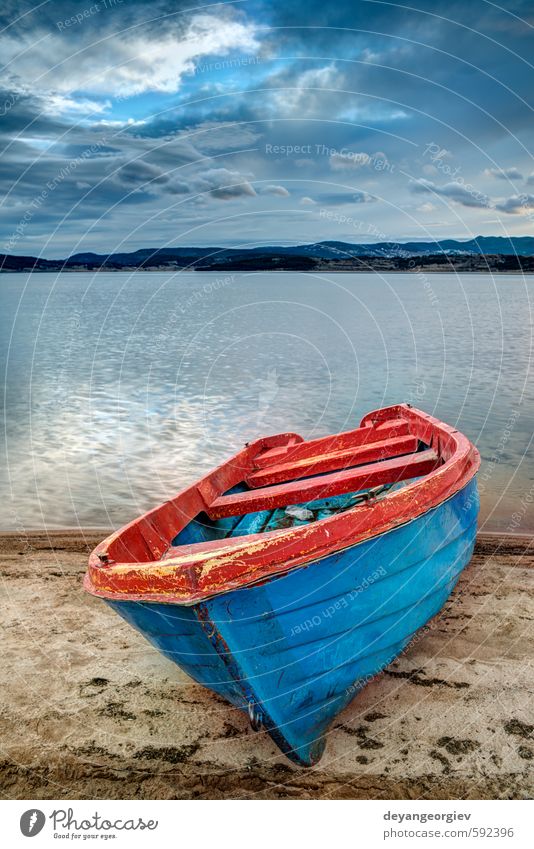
[(289, 576)]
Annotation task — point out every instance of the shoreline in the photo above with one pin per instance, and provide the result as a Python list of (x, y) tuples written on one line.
[(76, 536), (193, 270), (90, 710)]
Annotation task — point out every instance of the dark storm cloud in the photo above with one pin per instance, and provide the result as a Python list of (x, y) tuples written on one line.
[(462, 68), (28, 16)]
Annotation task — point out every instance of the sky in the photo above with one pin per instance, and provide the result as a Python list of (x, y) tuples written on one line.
[(128, 124)]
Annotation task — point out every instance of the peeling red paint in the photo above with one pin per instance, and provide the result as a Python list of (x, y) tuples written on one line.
[(142, 565), (322, 461)]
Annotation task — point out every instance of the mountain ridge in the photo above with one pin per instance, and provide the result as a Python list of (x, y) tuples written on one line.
[(330, 249), (480, 253)]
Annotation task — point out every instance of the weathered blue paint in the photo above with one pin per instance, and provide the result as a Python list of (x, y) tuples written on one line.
[(299, 646)]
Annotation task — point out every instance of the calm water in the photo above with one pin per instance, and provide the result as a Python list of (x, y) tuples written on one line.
[(120, 389)]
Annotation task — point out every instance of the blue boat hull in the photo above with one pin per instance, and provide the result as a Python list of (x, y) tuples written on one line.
[(294, 651)]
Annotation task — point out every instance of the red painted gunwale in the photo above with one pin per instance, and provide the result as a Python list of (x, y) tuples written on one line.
[(137, 563)]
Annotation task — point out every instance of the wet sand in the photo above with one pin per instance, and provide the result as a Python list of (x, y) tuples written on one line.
[(90, 710)]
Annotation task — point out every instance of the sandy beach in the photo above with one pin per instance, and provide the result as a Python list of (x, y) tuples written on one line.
[(90, 710)]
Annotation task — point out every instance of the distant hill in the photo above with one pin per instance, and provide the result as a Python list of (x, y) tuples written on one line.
[(481, 253), (520, 245)]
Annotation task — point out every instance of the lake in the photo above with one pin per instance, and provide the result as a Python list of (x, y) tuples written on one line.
[(122, 388)]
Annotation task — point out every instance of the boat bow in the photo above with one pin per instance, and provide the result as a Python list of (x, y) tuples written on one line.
[(139, 562)]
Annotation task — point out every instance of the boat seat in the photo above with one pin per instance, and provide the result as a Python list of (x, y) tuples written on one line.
[(294, 450), (320, 463), (335, 483)]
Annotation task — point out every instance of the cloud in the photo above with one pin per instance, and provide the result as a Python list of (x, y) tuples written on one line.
[(213, 137), (137, 174), (352, 161), (280, 191), (464, 194), (504, 173), (223, 184), (134, 173), (305, 93), (345, 198), (516, 205), (60, 104), (306, 201), (349, 161), (122, 64), (218, 183)]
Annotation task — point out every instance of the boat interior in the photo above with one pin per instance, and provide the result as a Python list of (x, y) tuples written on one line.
[(282, 500), (203, 529), (393, 458)]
